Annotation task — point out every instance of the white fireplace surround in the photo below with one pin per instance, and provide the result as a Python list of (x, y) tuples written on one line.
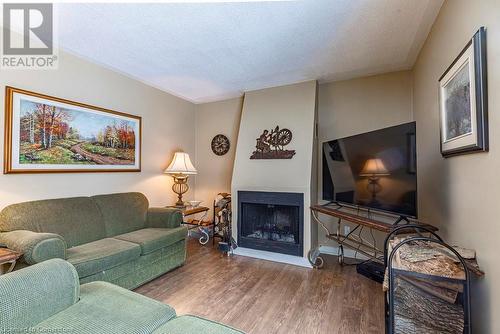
[(292, 107)]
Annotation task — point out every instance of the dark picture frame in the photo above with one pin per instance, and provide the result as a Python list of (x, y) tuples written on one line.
[(463, 100)]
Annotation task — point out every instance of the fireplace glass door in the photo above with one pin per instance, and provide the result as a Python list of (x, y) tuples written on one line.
[(271, 221)]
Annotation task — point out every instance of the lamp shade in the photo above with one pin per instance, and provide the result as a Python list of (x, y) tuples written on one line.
[(374, 167), (181, 164)]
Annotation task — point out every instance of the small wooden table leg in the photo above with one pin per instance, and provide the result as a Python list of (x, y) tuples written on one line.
[(11, 267)]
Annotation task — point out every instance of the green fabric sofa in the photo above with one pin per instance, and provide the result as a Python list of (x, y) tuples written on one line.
[(48, 298), (115, 238)]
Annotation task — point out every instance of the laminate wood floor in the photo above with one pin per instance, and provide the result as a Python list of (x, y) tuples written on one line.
[(259, 296)]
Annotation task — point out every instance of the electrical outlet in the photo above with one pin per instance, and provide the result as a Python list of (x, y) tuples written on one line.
[(347, 230)]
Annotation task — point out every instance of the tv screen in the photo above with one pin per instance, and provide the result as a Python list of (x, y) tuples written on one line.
[(376, 170)]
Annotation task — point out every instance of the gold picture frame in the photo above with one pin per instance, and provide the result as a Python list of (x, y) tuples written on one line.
[(47, 134)]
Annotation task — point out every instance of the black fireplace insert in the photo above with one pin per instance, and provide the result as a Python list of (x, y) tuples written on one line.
[(271, 221)]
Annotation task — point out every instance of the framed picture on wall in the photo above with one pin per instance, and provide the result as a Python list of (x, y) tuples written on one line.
[(463, 100), (45, 134)]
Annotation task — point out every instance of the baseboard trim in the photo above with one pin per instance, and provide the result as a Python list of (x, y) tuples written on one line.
[(271, 256), (349, 253), (296, 260)]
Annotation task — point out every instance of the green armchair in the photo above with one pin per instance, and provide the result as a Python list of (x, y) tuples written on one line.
[(31, 295), (47, 298)]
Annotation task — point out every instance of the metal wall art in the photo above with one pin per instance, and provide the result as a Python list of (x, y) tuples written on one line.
[(270, 145)]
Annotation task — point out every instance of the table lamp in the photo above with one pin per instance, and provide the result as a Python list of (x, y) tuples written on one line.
[(374, 169), (180, 168)]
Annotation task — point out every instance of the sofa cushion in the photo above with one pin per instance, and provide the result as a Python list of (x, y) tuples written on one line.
[(107, 308), (151, 239), (123, 212), (100, 255), (78, 219), (143, 269), (188, 324)]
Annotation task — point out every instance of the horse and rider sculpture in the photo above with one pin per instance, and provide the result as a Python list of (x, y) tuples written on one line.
[(270, 145)]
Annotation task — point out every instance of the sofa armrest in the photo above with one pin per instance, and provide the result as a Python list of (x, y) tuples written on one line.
[(33, 294), (164, 217), (36, 247)]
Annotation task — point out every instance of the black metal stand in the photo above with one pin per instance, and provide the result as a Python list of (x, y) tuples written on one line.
[(222, 226), (398, 230), (463, 298), (216, 232), (402, 219)]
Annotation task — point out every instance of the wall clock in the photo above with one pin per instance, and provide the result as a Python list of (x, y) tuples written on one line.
[(220, 144)]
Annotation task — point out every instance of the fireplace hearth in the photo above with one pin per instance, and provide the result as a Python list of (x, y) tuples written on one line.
[(271, 221)]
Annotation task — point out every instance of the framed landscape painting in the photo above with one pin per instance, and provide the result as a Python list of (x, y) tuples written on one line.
[(45, 134), (464, 100)]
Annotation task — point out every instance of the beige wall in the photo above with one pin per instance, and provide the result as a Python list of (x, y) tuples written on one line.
[(291, 107), (344, 108), (461, 193), (167, 126), (214, 172), (360, 105)]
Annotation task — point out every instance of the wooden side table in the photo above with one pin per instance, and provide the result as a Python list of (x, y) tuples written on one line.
[(8, 256), (197, 223)]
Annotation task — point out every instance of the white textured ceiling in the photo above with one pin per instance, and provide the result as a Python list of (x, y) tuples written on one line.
[(204, 52)]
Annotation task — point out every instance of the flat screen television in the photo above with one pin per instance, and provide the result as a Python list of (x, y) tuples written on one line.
[(376, 170)]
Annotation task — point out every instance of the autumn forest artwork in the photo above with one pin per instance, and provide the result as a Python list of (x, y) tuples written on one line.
[(54, 135)]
